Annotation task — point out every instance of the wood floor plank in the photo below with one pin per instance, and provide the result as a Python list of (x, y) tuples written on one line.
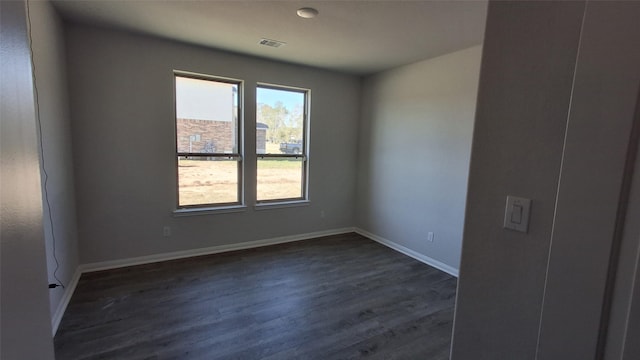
[(336, 297)]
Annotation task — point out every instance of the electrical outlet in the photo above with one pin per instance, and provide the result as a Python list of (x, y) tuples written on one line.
[(430, 236), (166, 231)]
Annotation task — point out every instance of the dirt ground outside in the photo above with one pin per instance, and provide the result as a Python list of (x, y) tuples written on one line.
[(216, 181)]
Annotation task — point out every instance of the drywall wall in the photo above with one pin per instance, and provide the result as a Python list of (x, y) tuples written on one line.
[(632, 346), (557, 97), (625, 315), (122, 110), (51, 81), (529, 56), (603, 105), (25, 327), (414, 149)]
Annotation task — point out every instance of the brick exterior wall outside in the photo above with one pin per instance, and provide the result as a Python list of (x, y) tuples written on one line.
[(211, 136)]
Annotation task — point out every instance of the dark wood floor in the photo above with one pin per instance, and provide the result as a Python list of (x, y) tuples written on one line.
[(337, 297)]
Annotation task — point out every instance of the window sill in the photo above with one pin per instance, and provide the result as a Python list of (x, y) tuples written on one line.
[(209, 210), (282, 204)]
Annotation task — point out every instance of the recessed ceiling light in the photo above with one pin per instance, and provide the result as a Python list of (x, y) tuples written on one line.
[(307, 12)]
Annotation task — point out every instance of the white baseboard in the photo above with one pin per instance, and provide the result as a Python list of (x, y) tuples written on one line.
[(411, 253), (64, 302), (113, 264)]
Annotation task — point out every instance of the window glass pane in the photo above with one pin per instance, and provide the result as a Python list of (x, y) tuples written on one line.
[(207, 181), (279, 178), (280, 121), (206, 116)]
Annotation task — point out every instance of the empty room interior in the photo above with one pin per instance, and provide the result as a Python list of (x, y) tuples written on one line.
[(320, 179)]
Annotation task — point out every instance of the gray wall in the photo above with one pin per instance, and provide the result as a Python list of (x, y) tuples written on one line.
[(525, 83), (25, 327), (51, 80), (632, 348), (624, 327), (415, 141), (554, 113), (121, 91), (603, 102)]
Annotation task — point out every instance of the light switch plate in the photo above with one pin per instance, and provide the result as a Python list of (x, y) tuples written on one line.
[(516, 214)]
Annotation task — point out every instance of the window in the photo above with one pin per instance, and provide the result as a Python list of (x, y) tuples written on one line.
[(281, 143), (208, 142)]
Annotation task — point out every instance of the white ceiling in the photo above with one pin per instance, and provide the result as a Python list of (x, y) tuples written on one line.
[(359, 37)]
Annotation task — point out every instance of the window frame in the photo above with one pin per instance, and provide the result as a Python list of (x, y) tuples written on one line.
[(303, 155), (237, 156)]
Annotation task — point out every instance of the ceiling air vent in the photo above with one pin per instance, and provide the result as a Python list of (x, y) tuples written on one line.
[(271, 43)]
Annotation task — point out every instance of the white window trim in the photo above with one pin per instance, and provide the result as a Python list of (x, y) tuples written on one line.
[(197, 211), (281, 204), (205, 209), (304, 200)]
